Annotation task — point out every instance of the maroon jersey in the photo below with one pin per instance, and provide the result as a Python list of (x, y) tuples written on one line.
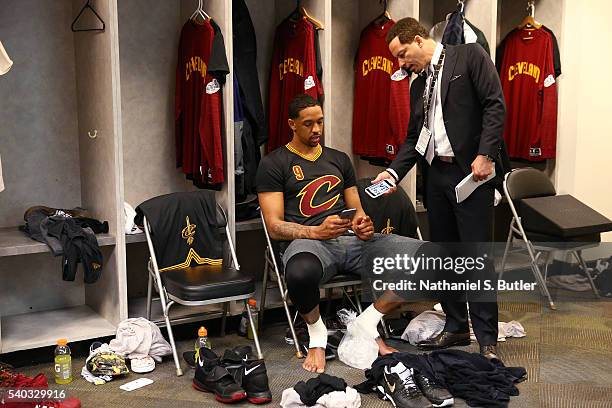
[(530, 89), (198, 107), (293, 72), (381, 108)]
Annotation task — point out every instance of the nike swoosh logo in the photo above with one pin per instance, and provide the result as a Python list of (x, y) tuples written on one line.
[(247, 372), (391, 387)]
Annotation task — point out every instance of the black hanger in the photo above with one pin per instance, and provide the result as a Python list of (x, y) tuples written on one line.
[(296, 14), (87, 6), (384, 16), (461, 6)]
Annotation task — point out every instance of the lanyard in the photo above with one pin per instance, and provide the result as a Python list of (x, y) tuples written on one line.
[(432, 84)]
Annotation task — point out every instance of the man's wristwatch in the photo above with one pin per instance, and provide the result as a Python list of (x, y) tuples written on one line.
[(489, 158)]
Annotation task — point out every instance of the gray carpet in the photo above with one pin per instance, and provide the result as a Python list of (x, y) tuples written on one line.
[(567, 353)]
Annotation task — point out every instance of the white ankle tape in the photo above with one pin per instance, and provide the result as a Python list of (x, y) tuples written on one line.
[(369, 319), (318, 334)]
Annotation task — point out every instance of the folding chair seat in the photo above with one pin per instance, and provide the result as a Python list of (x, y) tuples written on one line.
[(537, 213), (205, 282), (192, 257)]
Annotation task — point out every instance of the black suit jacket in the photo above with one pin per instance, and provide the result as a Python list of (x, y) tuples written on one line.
[(472, 106)]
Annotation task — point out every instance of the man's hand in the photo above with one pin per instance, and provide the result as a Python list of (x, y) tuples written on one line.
[(482, 167), (385, 175), (363, 227), (332, 227)]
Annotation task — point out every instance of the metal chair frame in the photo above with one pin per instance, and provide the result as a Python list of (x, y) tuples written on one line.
[(167, 300), (536, 251)]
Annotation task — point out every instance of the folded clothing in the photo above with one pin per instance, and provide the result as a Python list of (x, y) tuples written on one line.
[(311, 390), (349, 398), (139, 338)]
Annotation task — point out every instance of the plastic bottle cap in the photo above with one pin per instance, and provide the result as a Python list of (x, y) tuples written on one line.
[(252, 302), (62, 342), (202, 332)]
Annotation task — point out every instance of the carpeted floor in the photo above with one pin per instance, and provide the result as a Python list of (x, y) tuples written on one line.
[(567, 353)]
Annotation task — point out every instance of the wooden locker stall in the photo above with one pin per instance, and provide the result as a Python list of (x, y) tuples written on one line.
[(148, 41), (60, 149), (349, 18)]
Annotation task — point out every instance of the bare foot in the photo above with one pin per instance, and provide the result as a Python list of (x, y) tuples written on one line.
[(383, 349), (315, 360)]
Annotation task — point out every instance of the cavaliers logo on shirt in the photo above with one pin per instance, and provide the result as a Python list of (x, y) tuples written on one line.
[(308, 204)]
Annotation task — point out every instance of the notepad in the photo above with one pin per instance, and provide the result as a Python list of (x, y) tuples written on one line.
[(467, 186)]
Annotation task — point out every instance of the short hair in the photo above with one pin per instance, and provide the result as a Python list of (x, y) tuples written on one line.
[(299, 103), (406, 29)]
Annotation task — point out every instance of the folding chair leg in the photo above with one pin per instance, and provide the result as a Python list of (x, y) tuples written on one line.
[(149, 296), (224, 318), (179, 371), (254, 330), (505, 257), (264, 290), (298, 352), (549, 257), (538, 276), (578, 255), (357, 300)]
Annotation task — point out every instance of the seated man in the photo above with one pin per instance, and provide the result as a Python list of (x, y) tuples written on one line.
[(302, 189)]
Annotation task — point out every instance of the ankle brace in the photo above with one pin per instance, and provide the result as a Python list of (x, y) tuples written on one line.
[(318, 334), (369, 319)]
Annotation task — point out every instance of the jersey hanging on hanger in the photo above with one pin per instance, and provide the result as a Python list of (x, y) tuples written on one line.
[(201, 69), (528, 80), (381, 107), (293, 72)]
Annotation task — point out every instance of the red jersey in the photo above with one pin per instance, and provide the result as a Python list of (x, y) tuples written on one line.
[(293, 72), (381, 108), (530, 89), (198, 107)]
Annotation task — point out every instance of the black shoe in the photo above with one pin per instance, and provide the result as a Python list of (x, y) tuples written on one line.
[(438, 396), (444, 340), (490, 352), (211, 376), (189, 357), (249, 373), (399, 388), (255, 382)]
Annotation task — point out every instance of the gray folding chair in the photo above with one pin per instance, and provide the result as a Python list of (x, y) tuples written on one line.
[(199, 285), (272, 263), (527, 183)]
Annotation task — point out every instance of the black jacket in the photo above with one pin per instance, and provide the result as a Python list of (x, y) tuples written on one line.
[(473, 107)]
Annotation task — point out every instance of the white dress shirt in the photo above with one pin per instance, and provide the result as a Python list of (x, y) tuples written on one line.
[(439, 139)]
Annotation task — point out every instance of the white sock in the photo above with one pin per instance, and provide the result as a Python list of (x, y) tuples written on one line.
[(318, 334), (368, 320)]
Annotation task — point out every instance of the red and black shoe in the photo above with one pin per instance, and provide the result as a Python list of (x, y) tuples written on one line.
[(211, 376), (250, 373)]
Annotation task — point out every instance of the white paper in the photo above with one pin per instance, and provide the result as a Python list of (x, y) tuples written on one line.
[(468, 185), (134, 385)]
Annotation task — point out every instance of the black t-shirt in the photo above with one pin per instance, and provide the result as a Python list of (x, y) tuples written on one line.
[(312, 189)]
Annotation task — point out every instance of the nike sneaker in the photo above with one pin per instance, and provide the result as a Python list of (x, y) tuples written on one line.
[(249, 372), (436, 394), (211, 376), (400, 388)]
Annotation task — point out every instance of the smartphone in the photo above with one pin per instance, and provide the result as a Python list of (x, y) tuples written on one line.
[(349, 213), (378, 189)]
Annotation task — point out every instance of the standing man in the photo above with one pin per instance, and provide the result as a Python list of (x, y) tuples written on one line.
[(456, 128)]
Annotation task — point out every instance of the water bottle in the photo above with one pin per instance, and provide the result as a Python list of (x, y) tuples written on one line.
[(252, 304), (244, 324), (202, 340), (63, 363)]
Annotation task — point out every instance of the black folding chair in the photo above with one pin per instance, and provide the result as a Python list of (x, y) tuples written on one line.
[(527, 183), (197, 280)]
